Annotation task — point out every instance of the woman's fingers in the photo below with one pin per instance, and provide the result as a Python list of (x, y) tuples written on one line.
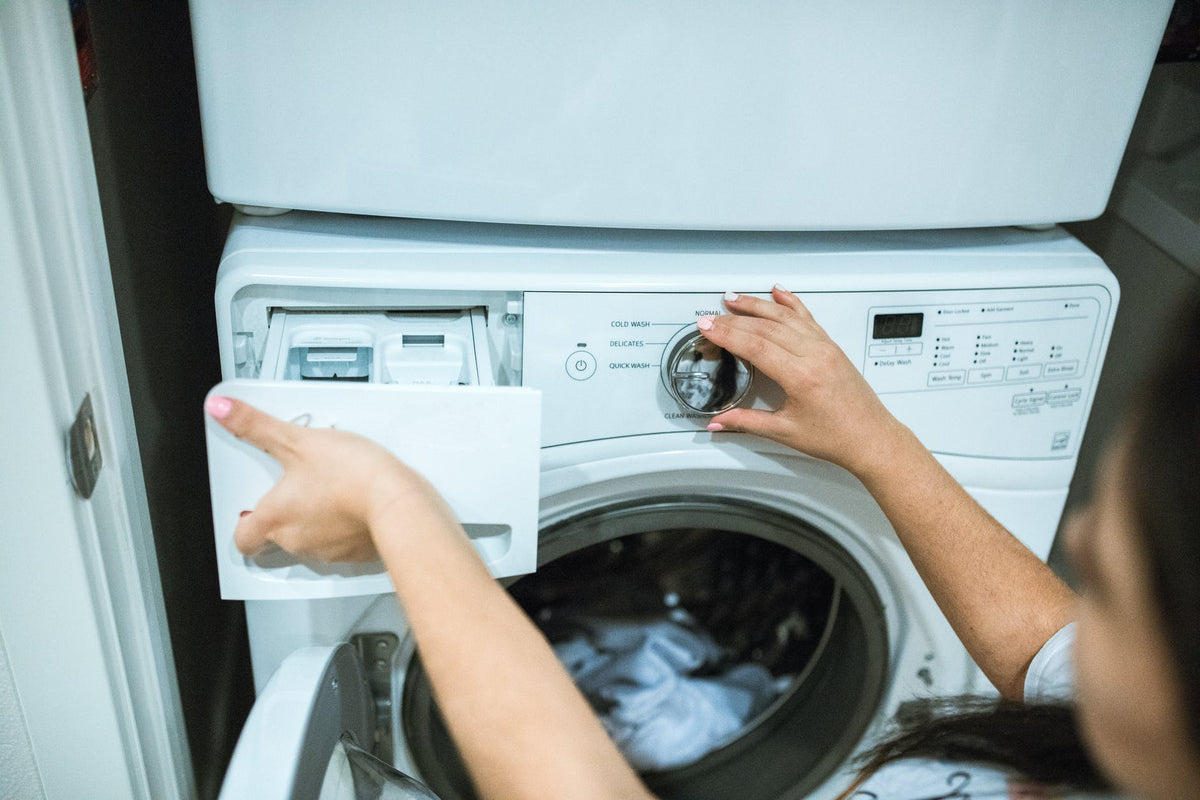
[(772, 347), (748, 305), (250, 535), (782, 307), (785, 298), (333, 484), (273, 436), (754, 327), (745, 420)]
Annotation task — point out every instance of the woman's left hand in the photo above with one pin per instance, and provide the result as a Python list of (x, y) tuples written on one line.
[(829, 409)]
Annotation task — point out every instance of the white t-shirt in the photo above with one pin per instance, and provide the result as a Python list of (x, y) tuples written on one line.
[(1050, 677)]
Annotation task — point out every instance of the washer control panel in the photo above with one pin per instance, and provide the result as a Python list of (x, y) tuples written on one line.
[(1001, 373), (953, 346)]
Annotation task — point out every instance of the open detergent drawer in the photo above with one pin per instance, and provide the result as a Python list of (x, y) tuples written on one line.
[(419, 384)]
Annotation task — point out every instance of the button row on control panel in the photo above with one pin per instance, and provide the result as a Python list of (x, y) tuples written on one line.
[(900, 349), (1020, 372), (1032, 399)]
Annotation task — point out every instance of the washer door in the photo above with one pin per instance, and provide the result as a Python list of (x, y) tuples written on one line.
[(305, 736), (773, 591), (317, 695)]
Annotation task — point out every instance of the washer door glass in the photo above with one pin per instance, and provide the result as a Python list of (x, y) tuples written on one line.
[(355, 774), (757, 642)]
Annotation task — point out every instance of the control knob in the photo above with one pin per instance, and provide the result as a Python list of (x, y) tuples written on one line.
[(701, 376)]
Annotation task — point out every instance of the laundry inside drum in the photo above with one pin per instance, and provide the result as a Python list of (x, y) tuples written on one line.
[(706, 651), (682, 639)]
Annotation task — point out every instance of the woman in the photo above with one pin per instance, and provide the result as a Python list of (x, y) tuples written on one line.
[(525, 732)]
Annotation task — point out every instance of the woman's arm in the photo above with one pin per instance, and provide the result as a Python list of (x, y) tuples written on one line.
[(523, 729), (1001, 599)]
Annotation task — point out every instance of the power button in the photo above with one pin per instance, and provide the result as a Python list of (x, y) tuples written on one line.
[(581, 365)]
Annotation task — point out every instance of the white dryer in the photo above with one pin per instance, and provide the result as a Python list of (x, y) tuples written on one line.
[(634, 114), (987, 343)]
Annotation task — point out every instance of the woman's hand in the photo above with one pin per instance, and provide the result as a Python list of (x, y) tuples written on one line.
[(336, 487), (830, 411)]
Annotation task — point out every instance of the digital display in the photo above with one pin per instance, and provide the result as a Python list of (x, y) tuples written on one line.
[(898, 326)]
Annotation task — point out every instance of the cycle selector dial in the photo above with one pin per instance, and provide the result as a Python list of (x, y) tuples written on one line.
[(703, 377)]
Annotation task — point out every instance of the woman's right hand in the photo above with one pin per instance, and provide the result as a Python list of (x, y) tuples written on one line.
[(830, 410), (337, 489)]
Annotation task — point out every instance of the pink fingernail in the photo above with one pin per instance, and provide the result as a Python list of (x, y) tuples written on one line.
[(244, 513), (731, 297), (715, 426), (781, 289), (705, 323), (218, 407)]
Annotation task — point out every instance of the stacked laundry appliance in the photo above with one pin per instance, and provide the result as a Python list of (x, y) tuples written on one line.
[(505, 220)]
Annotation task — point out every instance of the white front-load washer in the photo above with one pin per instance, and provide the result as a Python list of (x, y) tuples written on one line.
[(986, 343)]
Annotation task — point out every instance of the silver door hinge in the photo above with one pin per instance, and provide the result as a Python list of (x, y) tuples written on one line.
[(378, 652)]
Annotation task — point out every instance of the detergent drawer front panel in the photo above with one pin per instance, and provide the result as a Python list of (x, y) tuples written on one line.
[(478, 446), (780, 116)]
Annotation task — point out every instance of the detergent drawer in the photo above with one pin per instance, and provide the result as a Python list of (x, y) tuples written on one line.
[(413, 348), (416, 384)]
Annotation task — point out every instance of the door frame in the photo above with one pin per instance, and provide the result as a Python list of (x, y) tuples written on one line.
[(84, 647)]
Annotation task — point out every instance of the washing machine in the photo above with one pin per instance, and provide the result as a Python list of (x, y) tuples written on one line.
[(562, 410)]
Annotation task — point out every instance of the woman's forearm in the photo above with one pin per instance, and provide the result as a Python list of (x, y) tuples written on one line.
[(522, 727), (1000, 598), (1003, 602)]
